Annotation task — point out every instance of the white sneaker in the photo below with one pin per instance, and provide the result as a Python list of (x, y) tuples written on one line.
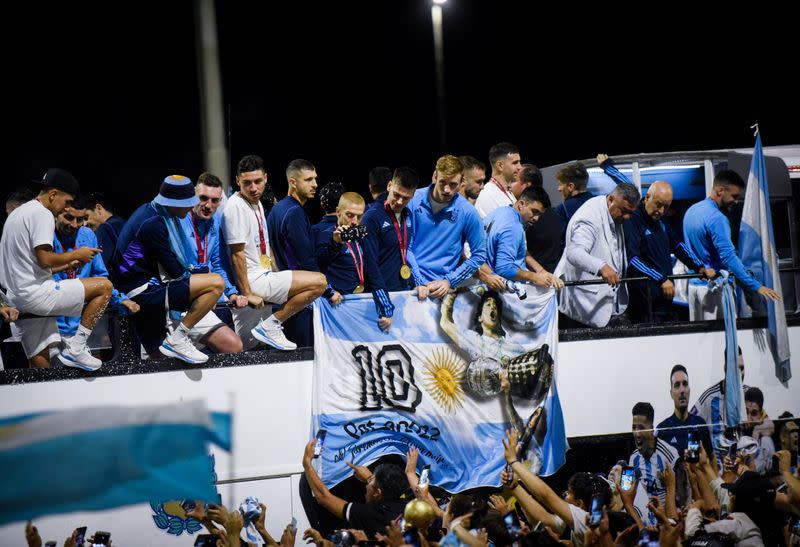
[(180, 346), (271, 333), (79, 358)]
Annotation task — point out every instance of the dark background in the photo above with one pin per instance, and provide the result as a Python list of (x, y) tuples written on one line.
[(110, 92)]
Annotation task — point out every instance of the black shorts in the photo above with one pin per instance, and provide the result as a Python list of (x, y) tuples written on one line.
[(151, 320)]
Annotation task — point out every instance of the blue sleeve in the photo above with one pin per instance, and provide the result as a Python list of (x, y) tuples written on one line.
[(215, 261), (383, 304), (615, 174), (505, 240), (633, 248), (371, 253), (155, 239), (106, 242), (325, 248), (682, 250), (97, 268), (473, 230), (298, 235), (721, 238)]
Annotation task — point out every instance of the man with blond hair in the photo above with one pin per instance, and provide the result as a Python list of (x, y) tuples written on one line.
[(443, 221), (347, 262)]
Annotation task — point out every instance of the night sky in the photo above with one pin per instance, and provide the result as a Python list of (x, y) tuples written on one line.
[(352, 85)]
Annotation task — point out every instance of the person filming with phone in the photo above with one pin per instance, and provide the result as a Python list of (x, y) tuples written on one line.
[(384, 487)]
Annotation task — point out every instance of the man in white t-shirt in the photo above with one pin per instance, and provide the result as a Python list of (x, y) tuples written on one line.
[(27, 271), (252, 259), (506, 164)]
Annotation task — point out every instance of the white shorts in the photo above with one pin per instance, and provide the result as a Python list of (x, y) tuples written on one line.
[(245, 320), (273, 287), (207, 324), (53, 298), (36, 334), (704, 305)]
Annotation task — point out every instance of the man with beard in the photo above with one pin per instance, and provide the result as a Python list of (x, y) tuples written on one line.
[(474, 178), (256, 247), (72, 234), (443, 221), (707, 232), (293, 243), (653, 460), (676, 428), (505, 244), (203, 233), (504, 159)]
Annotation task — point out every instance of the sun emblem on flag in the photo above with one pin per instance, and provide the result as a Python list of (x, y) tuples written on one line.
[(443, 376)]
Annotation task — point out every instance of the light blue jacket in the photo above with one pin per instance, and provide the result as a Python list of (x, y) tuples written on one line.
[(708, 233), (505, 241), (213, 263), (439, 240), (84, 237)]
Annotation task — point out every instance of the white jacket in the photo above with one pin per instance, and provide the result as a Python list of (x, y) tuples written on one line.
[(592, 240)]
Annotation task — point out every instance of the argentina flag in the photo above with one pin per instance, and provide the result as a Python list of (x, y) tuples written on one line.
[(758, 254), (97, 458), (449, 378)]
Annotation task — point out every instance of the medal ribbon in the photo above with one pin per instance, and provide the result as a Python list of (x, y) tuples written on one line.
[(359, 266), (202, 248), (402, 240)]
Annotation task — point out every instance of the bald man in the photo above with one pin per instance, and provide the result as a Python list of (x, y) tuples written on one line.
[(649, 240)]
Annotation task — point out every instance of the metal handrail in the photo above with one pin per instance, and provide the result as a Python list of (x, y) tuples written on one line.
[(600, 280)]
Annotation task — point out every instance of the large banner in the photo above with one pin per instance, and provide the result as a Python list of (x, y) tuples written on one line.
[(448, 378)]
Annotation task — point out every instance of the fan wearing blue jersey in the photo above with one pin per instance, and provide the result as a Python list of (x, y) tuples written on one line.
[(651, 459)]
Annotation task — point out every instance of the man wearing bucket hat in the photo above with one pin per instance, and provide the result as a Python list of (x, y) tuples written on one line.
[(27, 272), (152, 264)]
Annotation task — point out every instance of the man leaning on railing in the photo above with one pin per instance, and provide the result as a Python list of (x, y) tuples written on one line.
[(595, 246)]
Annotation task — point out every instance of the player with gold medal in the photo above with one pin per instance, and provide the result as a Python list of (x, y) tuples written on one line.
[(346, 262)]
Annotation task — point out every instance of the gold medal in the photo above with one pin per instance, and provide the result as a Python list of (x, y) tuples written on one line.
[(405, 271), (265, 261), (358, 289)]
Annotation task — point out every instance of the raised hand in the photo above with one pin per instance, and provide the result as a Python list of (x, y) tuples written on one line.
[(361, 472)]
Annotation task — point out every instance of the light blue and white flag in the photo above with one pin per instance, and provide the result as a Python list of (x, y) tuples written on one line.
[(449, 378), (758, 254), (98, 458)]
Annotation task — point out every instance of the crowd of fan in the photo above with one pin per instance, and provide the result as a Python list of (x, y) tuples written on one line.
[(688, 481), (179, 258)]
